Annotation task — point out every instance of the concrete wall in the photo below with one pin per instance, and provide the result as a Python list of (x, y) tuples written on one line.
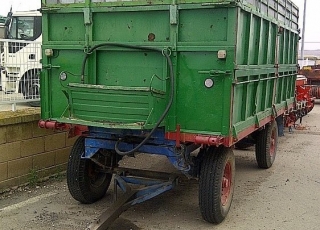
[(25, 148)]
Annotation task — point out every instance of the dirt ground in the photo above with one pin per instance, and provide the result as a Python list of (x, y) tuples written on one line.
[(286, 196)]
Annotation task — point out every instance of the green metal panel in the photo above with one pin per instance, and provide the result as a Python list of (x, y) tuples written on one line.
[(133, 27), (115, 106), (266, 70), (125, 87), (65, 27), (212, 25)]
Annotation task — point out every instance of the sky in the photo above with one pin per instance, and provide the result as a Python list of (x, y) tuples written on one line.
[(18, 5), (312, 30), (312, 33)]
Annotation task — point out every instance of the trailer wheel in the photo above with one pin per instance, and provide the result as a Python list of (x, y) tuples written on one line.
[(86, 184), (242, 146), (266, 146), (216, 184)]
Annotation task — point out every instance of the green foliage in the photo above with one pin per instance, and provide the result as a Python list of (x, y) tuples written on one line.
[(33, 178), (60, 174)]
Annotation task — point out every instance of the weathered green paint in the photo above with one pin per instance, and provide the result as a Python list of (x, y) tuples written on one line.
[(126, 88)]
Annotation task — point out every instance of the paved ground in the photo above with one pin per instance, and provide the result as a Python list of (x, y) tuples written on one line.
[(13, 107), (285, 196), (7, 102)]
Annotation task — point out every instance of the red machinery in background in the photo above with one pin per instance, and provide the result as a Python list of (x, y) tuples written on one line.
[(304, 101), (312, 73)]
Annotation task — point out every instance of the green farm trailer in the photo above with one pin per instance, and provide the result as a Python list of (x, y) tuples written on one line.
[(186, 79)]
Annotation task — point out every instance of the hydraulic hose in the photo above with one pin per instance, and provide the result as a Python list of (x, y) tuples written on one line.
[(171, 96)]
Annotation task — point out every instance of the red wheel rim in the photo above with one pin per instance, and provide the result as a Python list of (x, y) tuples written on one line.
[(273, 143), (226, 184)]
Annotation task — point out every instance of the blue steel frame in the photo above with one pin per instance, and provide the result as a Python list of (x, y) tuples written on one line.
[(150, 186), (131, 196), (153, 187), (103, 138)]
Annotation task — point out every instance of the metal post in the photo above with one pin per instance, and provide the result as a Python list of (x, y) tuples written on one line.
[(14, 107), (303, 29)]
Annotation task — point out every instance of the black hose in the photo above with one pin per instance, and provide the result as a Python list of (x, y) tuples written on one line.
[(165, 112)]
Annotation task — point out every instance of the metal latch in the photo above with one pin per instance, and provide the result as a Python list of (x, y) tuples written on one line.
[(173, 14), (43, 9), (214, 73), (49, 66)]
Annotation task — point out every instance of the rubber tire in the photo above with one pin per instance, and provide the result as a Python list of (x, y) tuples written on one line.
[(242, 146), (263, 145), (80, 185), (34, 103), (210, 184)]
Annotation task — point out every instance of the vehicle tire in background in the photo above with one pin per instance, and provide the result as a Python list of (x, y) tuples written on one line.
[(242, 146), (266, 145), (216, 184)]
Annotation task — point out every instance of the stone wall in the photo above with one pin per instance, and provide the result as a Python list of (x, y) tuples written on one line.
[(27, 150)]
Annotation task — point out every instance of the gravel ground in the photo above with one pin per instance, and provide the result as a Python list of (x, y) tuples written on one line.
[(286, 196)]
